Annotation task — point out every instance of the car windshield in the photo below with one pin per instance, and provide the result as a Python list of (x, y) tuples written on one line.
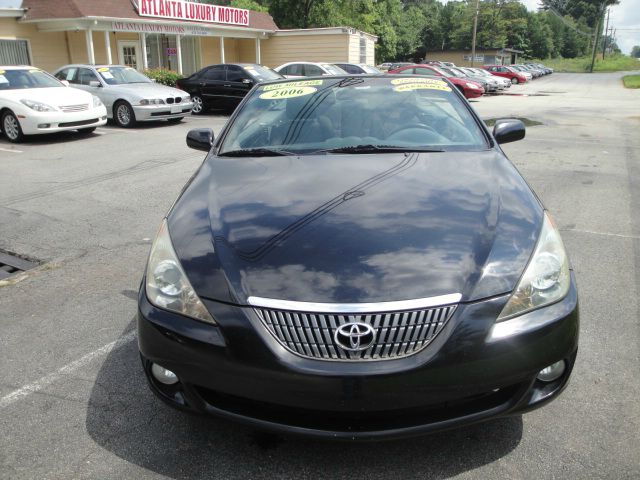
[(451, 72), (26, 78), (352, 115), (370, 69), (121, 75), (262, 74), (333, 69)]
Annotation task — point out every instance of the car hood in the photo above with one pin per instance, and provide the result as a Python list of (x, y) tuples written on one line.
[(355, 228), (54, 96), (147, 90)]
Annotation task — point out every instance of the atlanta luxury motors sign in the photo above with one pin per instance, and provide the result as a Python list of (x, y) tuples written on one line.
[(193, 12)]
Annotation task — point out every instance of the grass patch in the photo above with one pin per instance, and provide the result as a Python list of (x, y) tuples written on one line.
[(631, 81), (612, 63)]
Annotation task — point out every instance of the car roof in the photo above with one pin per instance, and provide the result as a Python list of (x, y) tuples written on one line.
[(373, 76), (18, 67)]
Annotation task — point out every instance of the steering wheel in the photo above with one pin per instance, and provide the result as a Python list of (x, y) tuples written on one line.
[(419, 126)]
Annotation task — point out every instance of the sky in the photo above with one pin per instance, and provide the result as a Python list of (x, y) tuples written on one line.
[(625, 15)]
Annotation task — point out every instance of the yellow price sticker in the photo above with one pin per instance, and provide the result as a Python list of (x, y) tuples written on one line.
[(291, 92), (409, 87), (303, 83), (103, 69), (1, 72)]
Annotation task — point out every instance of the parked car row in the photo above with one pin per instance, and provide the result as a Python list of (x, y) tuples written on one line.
[(33, 101)]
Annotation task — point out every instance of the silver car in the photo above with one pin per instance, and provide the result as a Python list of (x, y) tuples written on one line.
[(129, 96)]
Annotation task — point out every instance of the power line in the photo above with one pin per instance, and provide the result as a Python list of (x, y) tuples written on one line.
[(567, 23)]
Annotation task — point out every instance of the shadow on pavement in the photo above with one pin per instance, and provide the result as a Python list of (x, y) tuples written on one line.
[(125, 418)]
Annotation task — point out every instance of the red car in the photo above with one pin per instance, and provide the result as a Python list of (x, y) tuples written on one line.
[(468, 88), (507, 72)]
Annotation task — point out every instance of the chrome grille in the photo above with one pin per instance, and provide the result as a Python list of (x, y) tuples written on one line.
[(397, 334), (74, 108)]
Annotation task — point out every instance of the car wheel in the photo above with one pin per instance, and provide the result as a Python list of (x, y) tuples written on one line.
[(198, 105), (175, 120), (11, 127), (514, 80), (87, 131), (123, 115)]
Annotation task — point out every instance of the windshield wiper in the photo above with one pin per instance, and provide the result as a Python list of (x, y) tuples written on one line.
[(256, 152), (377, 149)]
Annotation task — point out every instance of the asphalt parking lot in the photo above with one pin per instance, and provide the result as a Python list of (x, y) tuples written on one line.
[(73, 399)]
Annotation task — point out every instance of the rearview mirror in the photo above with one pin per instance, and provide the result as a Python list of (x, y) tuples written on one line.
[(200, 139), (95, 83), (508, 130)]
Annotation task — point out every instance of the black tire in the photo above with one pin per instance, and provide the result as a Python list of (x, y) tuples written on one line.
[(11, 127), (86, 131), (514, 80), (198, 105), (175, 120), (124, 115)]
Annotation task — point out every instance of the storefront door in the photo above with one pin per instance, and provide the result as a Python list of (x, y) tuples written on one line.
[(129, 54)]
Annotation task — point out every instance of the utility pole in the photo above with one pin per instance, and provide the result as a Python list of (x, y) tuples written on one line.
[(606, 35), (475, 31), (595, 38)]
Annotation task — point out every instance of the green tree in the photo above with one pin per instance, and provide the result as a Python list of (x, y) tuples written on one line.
[(635, 51)]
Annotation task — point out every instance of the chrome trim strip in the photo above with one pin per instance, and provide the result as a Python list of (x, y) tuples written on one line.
[(415, 304)]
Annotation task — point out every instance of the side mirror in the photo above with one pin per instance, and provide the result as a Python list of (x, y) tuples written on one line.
[(248, 81), (95, 83), (508, 130), (200, 139), (65, 83)]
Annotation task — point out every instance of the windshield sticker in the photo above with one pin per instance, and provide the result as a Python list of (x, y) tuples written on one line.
[(401, 81), (304, 83), (409, 87), (106, 75), (103, 69), (1, 72), (283, 93)]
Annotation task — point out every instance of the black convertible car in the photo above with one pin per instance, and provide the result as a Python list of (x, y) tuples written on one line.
[(357, 258)]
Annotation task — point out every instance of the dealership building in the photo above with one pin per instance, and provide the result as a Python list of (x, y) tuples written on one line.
[(179, 35)]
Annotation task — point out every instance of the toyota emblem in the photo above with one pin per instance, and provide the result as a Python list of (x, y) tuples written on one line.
[(354, 336)]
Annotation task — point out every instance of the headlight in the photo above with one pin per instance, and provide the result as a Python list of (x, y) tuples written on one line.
[(167, 285), (473, 85), (545, 280), (96, 102), (152, 101), (38, 106)]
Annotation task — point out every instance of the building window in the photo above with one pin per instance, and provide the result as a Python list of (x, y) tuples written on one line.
[(14, 52), (363, 49), (162, 52)]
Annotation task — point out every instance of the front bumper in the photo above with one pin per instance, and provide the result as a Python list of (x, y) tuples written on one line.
[(146, 113), (33, 123), (237, 370)]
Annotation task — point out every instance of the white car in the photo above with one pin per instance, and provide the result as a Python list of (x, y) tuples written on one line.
[(33, 102), (308, 69), (129, 96)]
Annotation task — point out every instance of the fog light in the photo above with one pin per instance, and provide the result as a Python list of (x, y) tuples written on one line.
[(163, 375), (44, 125), (552, 372)]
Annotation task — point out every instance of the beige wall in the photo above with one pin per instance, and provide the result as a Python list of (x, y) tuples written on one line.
[(311, 48), (51, 50), (48, 50), (247, 50)]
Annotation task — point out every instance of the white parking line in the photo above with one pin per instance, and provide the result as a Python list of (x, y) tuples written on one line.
[(10, 151), (66, 370)]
